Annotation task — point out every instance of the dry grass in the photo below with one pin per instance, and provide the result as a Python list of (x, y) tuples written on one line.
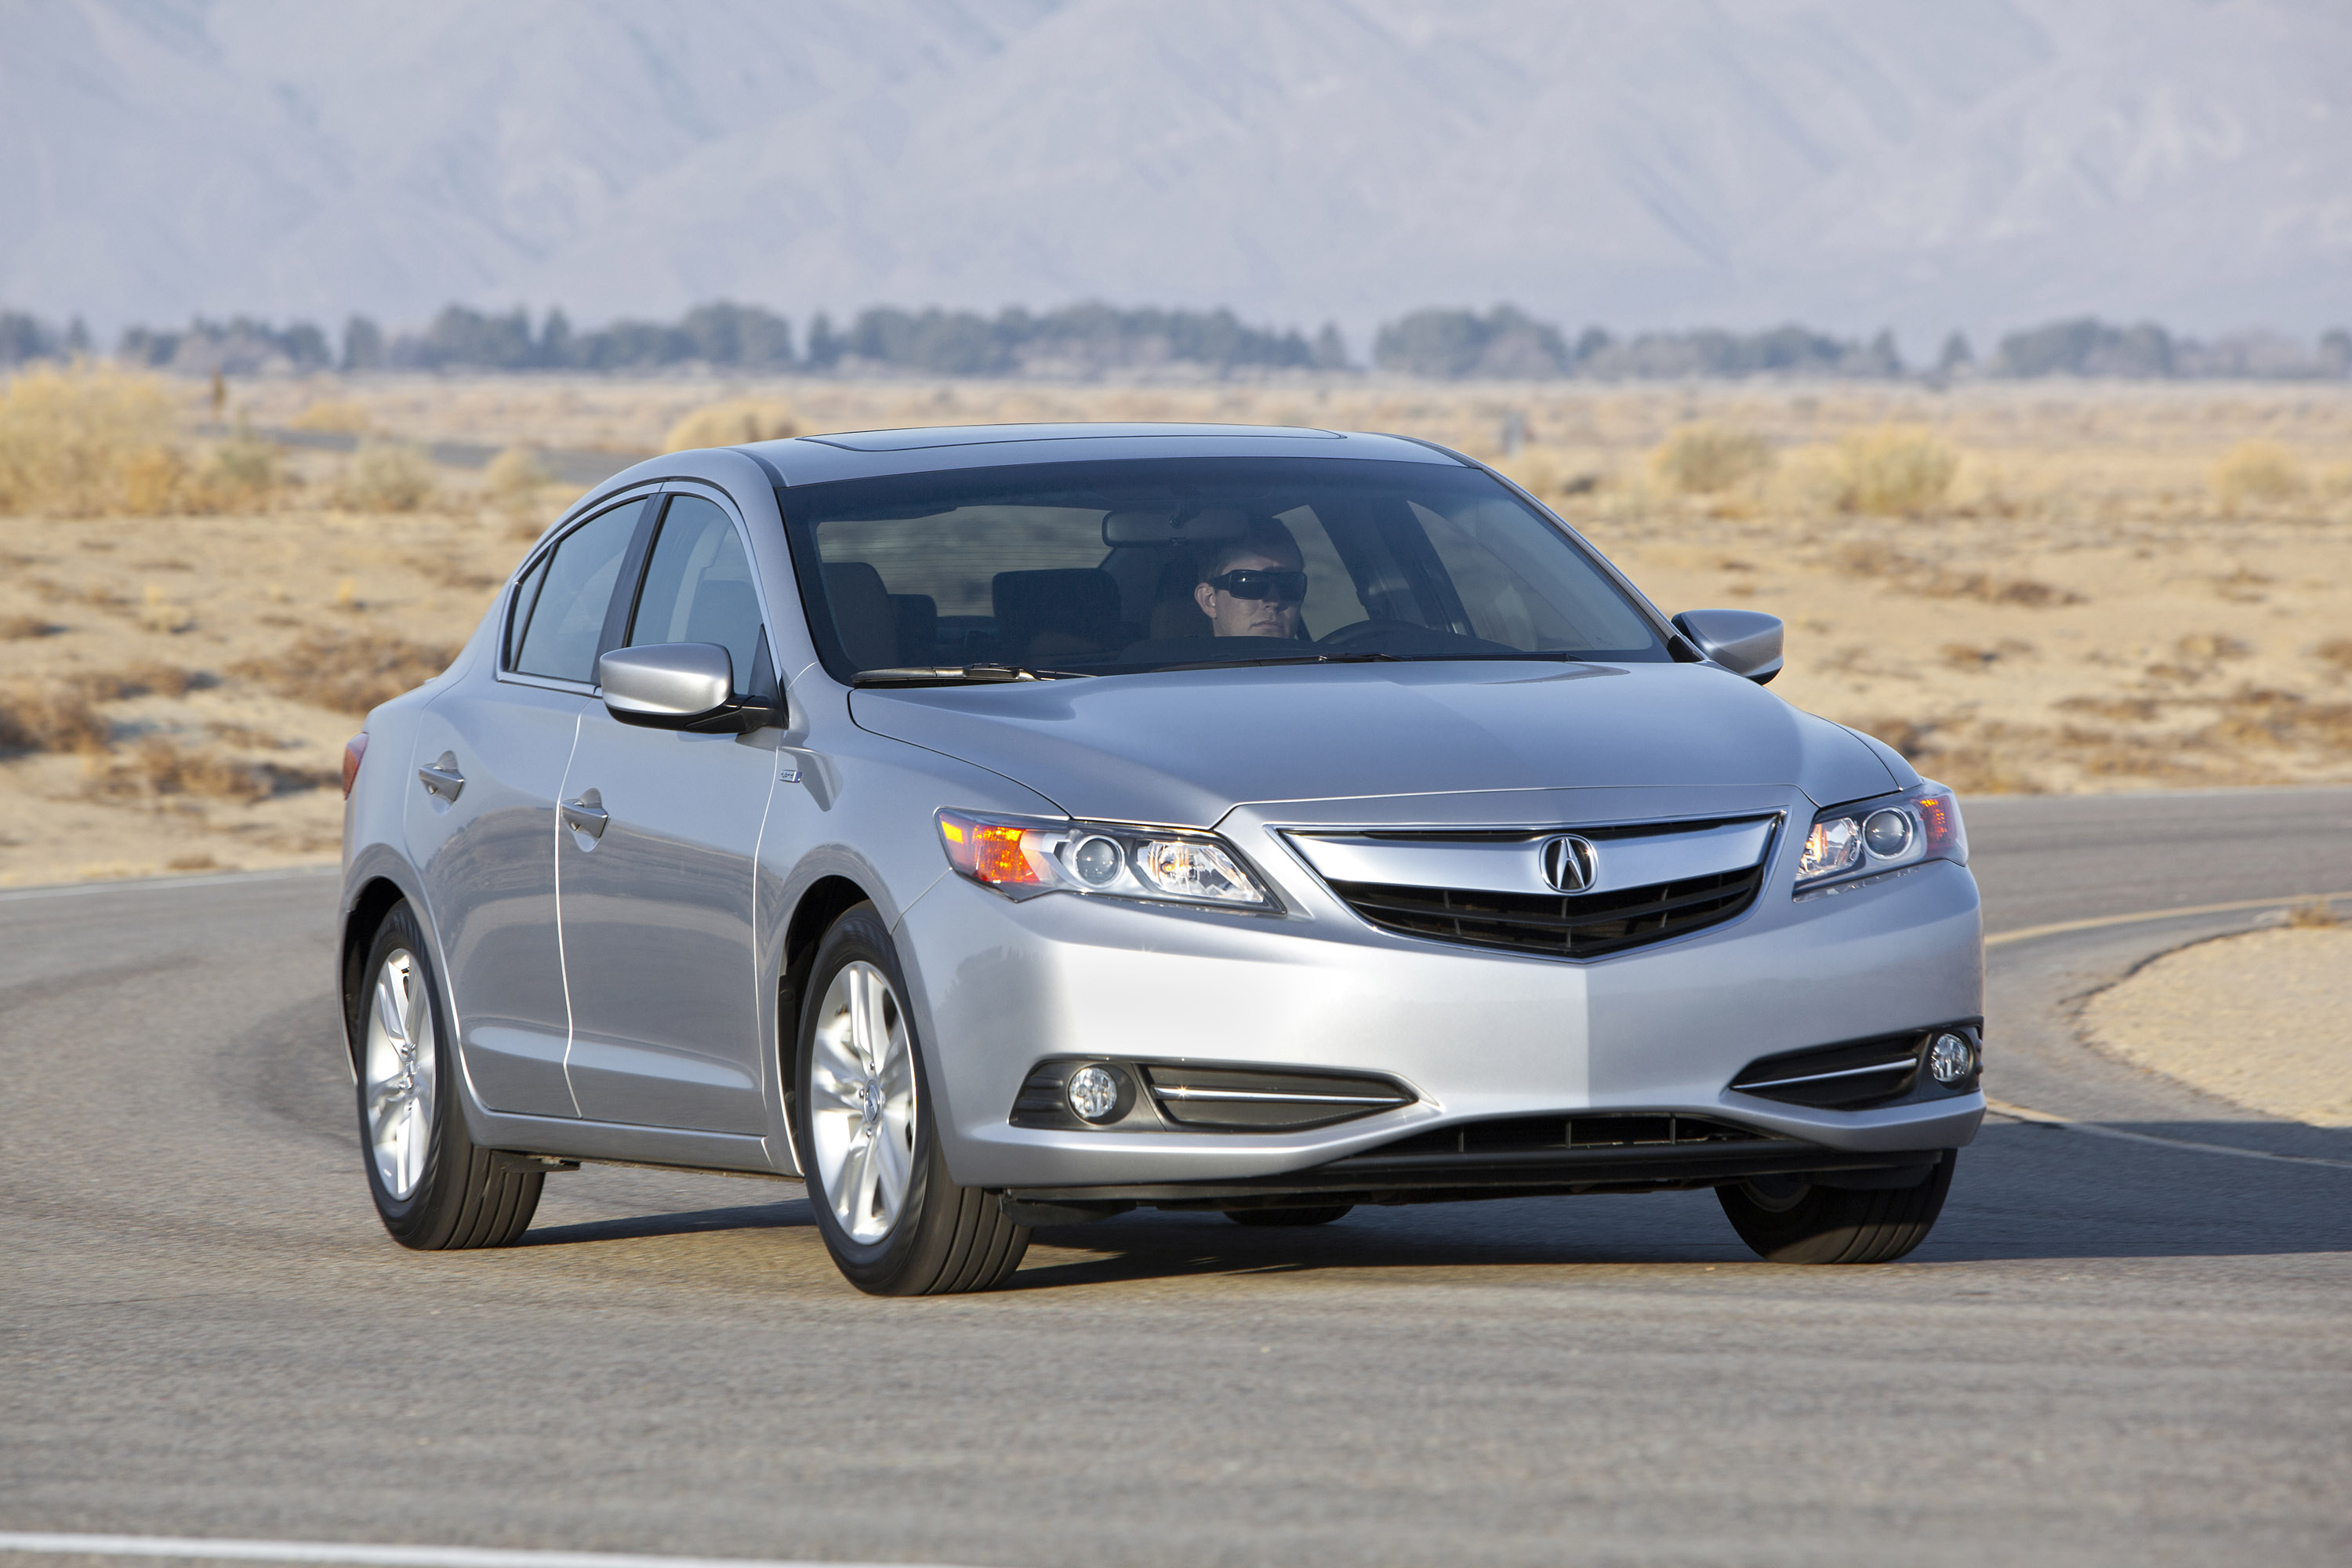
[(735, 420), (2313, 914), (1709, 459), (50, 719), (162, 766), (87, 439), (348, 672), (16, 629), (388, 476), (1895, 470), (1930, 580), (336, 416), (2257, 471)]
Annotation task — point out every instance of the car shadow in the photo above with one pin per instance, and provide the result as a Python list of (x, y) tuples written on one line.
[(2021, 1193), (790, 1214)]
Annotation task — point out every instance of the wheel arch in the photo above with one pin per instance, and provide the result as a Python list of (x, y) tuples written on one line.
[(825, 901), (365, 913)]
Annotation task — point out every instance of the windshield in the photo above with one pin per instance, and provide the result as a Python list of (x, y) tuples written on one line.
[(1107, 568)]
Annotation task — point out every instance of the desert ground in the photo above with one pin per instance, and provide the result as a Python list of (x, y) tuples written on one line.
[(2029, 588)]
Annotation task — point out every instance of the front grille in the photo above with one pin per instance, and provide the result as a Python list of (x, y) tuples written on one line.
[(1580, 925)]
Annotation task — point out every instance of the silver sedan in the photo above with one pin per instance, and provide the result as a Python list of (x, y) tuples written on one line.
[(1016, 825)]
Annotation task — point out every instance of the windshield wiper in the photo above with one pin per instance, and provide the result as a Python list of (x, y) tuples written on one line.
[(1286, 659), (962, 675)]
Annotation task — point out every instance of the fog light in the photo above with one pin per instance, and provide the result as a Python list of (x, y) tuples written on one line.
[(1951, 1059), (1096, 1093)]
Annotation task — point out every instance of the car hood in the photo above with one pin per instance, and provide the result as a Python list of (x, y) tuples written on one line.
[(1184, 747)]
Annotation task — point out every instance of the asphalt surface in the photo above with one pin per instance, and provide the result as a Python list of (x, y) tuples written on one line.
[(2109, 1350)]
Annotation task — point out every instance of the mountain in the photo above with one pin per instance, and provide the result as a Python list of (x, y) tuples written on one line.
[(1851, 164)]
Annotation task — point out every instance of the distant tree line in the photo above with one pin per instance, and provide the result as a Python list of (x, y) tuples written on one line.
[(1096, 339)]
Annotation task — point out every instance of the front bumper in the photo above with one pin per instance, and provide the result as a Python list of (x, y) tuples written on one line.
[(1477, 1035)]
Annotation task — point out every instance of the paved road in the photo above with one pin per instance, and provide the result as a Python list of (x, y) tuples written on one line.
[(2110, 1351)]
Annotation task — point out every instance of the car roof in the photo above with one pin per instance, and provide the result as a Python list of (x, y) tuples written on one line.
[(865, 453)]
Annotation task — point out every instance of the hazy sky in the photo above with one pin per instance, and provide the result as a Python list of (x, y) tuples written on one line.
[(1853, 163)]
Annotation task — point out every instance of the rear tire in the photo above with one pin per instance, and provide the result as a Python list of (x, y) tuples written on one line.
[(892, 1218), (434, 1190), (1321, 1214), (1802, 1223)]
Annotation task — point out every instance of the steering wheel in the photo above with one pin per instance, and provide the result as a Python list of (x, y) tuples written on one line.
[(1365, 631)]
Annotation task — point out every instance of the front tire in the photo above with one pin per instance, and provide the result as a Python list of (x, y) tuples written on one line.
[(1788, 1220), (892, 1218), (434, 1190)]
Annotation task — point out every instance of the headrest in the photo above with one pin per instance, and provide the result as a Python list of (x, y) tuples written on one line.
[(862, 616)]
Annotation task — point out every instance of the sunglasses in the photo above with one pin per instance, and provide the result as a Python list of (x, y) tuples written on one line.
[(1254, 584)]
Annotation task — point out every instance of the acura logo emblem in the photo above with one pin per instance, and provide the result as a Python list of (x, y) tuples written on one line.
[(1570, 863)]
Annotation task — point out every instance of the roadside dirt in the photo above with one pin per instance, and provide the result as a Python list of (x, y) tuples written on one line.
[(2262, 1019)]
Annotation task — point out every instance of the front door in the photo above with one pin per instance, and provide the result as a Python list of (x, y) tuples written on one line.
[(659, 945)]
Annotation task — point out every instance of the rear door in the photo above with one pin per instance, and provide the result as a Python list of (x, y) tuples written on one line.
[(482, 820), (658, 936)]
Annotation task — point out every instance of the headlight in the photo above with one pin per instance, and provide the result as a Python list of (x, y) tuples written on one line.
[(1865, 837), (1021, 857)]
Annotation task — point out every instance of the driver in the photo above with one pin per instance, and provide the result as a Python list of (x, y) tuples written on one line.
[(1253, 586)]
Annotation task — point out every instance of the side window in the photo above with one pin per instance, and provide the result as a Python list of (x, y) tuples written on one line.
[(698, 588), (560, 638), (526, 595)]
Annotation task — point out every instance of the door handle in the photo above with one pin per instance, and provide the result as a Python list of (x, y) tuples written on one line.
[(441, 777), (587, 814)]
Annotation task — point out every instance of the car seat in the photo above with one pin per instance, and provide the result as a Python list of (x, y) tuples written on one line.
[(862, 617), (1047, 615)]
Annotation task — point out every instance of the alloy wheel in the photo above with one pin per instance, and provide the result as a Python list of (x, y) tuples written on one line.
[(400, 1074), (862, 1102)]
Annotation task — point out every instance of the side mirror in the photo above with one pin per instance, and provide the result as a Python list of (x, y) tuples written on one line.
[(677, 686), (1745, 642)]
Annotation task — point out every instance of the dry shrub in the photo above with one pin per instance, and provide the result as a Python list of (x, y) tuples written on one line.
[(728, 423), (50, 719), (1894, 470), (2261, 471), (2263, 716), (335, 417), (2313, 914), (164, 766), (1709, 459), (84, 440), (2335, 653), (159, 614), (513, 481), (387, 476), (1546, 474), (242, 472), (349, 673), (15, 628)]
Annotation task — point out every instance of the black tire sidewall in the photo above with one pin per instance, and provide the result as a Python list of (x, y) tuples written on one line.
[(860, 935), (411, 1219), (1839, 1225)]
